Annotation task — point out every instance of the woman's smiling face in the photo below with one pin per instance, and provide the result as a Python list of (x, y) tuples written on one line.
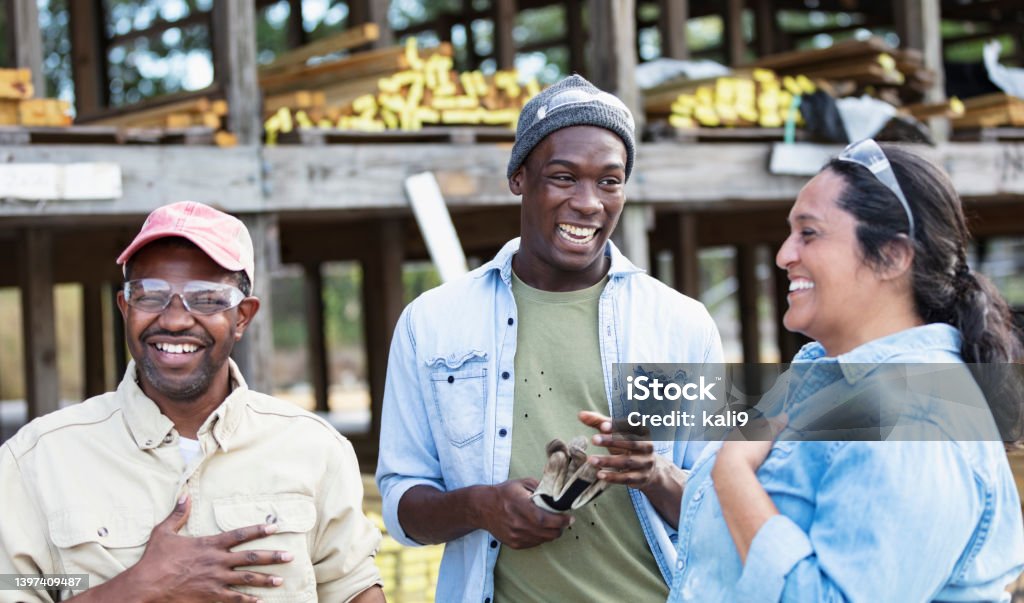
[(831, 289)]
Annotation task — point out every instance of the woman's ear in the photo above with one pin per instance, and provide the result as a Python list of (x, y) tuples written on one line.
[(899, 259)]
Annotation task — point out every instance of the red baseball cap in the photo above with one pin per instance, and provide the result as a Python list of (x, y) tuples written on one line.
[(222, 237)]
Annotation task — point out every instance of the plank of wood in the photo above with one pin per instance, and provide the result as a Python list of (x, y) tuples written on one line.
[(16, 83), (796, 59), (346, 40), (44, 112), (8, 112), (371, 63), (156, 114), (299, 99)]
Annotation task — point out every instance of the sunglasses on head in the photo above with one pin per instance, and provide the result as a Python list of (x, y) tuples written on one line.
[(199, 297), (867, 153)]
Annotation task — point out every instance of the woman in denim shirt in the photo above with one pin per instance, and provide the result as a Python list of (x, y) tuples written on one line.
[(878, 274)]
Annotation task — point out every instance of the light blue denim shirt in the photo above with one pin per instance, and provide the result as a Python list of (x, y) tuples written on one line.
[(447, 416), (862, 521)]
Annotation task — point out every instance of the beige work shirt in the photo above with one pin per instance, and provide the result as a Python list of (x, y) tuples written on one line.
[(82, 488)]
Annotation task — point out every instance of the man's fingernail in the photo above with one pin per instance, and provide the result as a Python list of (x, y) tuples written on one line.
[(287, 556), (277, 581), (572, 519), (183, 498), (606, 426), (270, 528)]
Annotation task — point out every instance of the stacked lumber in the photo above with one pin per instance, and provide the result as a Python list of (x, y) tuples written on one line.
[(989, 111), (865, 63), (759, 98), (416, 91), (19, 108), (172, 115)]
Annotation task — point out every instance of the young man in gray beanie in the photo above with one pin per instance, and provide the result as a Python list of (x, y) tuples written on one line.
[(471, 403)]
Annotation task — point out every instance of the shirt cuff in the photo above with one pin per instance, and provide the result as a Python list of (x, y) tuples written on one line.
[(389, 507), (777, 547)]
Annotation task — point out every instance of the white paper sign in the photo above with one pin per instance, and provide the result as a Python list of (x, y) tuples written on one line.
[(436, 225), (60, 181)]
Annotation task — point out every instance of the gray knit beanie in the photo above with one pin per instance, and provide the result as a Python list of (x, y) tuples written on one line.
[(571, 102)]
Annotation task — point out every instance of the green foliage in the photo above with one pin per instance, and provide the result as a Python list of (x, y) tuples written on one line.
[(53, 23)]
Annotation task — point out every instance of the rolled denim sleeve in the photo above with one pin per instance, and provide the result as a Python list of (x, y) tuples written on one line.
[(408, 456), (910, 538)]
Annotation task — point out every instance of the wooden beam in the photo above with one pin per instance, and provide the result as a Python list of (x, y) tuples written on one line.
[(732, 33), (919, 25), (313, 286), (631, 235), (28, 48), (88, 57), (119, 334), (373, 11), (42, 382), (577, 37), (94, 357), (672, 26), (255, 352), (296, 30), (382, 305), (613, 52), (766, 27), (686, 256), (750, 327), (234, 46), (504, 44)]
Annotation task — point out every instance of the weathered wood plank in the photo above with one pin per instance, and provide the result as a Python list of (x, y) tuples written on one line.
[(255, 352), (672, 25), (28, 47), (151, 177), (613, 51), (235, 60), (316, 342)]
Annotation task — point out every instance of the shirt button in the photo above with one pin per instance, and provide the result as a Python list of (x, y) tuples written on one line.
[(680, 565), (505, 375), (503, 432), (149, 442), (271, 518), (511, 322), (494, 544), (168, 439), (487, 600), (102, 532)]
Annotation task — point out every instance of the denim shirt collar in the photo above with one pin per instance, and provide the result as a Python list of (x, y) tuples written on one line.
[(502, 262), (859, 361)]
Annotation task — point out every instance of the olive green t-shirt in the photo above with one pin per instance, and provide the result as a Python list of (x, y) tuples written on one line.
[(558, 373)]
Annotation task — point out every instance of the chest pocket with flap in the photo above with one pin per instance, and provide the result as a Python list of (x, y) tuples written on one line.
[(100, 542), (295, 517), (459, 382)]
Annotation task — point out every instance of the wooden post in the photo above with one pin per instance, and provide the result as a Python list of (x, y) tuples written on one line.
[(255, 352), (577, 37), (28, 48), (382, 305), (296, 30), (746, 273), (766, 27), (88, 56), (686, 258), (732, 33), (92, 335), (234, 47), (42, 382), (373, 11), (674, 15), (315, 337), (919, 25), (504, 43), (631, 235), (613, 52)]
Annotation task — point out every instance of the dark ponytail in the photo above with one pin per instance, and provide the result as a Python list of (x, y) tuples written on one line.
[(945, 288)]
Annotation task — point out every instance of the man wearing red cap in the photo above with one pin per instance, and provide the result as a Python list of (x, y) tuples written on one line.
[(184, 484)]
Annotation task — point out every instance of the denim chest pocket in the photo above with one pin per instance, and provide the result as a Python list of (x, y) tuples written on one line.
[(459, 384)]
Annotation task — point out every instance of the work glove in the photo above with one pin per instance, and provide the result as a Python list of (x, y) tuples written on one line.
[(569, 481)]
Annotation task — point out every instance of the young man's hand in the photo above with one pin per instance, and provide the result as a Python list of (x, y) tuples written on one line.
[(516, 521)]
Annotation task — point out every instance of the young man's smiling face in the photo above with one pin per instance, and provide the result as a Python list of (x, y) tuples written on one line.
[(182, 356), (573, 189)]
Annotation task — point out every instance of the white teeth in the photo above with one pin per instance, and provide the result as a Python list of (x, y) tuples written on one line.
[(576, 234), (800, 285), (177, 348)]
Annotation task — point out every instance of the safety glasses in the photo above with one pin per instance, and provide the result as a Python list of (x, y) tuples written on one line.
[(199, 297), (868, 154)]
